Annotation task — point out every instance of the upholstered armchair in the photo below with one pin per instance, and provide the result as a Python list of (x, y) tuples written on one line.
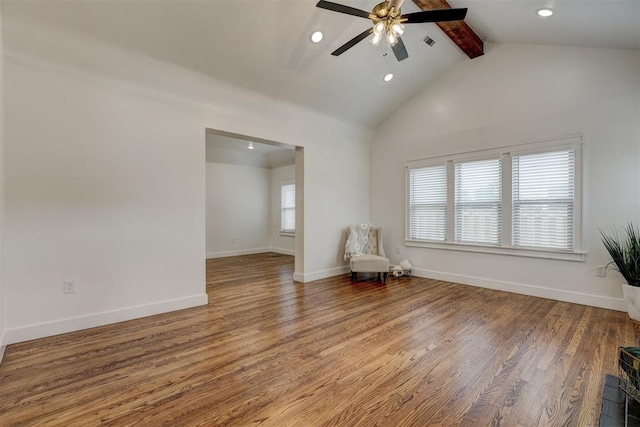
[(372, 259)]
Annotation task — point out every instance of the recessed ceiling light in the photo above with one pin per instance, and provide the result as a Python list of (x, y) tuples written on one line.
[(545, 12), (251, 147), (317, 37), (388, 77)]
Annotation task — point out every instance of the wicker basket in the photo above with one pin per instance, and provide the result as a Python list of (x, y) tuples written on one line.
[(629, 367)]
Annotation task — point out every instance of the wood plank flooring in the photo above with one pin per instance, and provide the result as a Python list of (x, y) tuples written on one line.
[(267, 351)]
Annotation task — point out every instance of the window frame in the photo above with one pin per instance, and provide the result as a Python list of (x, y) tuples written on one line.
[(572, 142), (281, 231)]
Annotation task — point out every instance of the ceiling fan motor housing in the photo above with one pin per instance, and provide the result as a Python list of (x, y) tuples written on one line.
[(385, 10)]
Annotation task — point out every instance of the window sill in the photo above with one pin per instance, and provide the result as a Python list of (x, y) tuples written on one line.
[(287, 233), (530, 253)]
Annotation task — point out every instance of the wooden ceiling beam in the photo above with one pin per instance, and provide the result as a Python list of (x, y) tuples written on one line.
[(458, 31)]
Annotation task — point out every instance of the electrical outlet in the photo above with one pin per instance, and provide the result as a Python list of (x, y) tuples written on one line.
[(398, 250), (601, 271), (69, 287)]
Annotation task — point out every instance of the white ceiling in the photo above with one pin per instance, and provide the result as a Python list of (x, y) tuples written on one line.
[(585, 23), (227, 149), (263, 45)]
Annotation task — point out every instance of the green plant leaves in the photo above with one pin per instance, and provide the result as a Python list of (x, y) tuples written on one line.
[(625, 253)]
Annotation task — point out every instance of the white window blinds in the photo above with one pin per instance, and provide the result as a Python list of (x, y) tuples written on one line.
[(543, 200), (428, 203), (478, 202), (288, 207)]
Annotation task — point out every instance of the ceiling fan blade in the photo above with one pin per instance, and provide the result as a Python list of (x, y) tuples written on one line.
[(351, 43), (399, 50), (437, 15), (342, 9)]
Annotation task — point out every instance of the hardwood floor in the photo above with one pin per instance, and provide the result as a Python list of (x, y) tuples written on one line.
[(270, 352)]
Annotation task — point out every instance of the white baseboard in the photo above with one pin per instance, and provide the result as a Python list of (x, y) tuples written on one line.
[(73, 324), (318, 275), (283, 251), (225, 254), (519, 288), (211, 255)]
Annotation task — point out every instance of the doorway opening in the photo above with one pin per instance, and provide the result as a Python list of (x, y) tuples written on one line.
[(254, 197)]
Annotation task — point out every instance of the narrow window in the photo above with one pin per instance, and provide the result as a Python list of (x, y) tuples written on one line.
[(288, 208)]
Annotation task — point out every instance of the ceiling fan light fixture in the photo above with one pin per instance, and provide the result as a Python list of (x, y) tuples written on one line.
[(392, 38), (398, 29), (388, 77), (545, 13), (376, 38), (317, 36), (379, 28)]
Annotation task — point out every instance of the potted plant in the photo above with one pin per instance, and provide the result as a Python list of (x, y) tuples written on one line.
[(625, 253)]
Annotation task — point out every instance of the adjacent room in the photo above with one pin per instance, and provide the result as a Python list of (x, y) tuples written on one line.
[(315, 213), (251, 197)]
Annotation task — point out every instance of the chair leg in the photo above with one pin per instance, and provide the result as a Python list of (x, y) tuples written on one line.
[(384, 277), (378, 276), (354, 276)]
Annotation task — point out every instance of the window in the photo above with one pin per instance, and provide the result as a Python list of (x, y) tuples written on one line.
[(478, 202), (519, 200), (288, 207), (428, 203), (543, 200)]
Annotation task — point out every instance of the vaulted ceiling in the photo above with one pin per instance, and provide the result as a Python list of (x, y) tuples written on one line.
[(264, 45)]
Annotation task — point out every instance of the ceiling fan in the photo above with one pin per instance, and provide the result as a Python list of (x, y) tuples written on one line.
[(388, 21)]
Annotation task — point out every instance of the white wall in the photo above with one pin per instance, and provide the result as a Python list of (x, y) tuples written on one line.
[(105, 179), (515, 94), (237, 209), (284, 244)]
